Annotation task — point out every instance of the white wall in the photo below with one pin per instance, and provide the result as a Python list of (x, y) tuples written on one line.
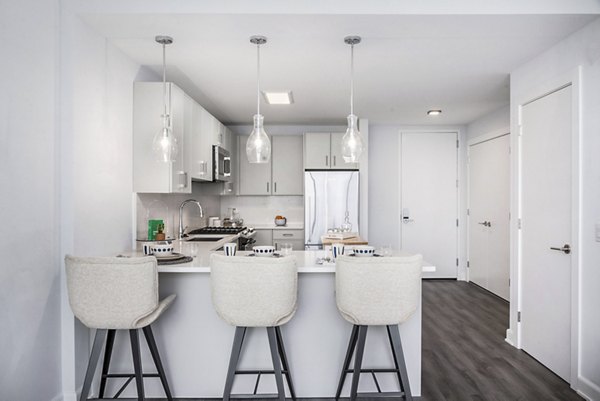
[(261, 210), (580, 49), (29, 272), (384, 186), (492, 122), (96, 169)]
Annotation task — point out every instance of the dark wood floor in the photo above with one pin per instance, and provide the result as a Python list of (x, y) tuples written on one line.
[(465, 357)]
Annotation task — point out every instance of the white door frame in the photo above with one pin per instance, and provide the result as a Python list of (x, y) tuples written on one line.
[(459, 176), (474, 141), (572, 78)]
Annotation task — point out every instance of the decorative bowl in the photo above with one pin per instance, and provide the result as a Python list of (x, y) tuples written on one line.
[(162, 249), (364, 250), (280, 221), (263, 250)]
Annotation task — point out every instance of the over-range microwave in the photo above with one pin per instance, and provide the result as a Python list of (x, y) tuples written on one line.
[(221, 164)]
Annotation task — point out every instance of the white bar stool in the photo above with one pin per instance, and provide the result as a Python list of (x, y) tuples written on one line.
[(376, 292), (256, 292), (109, 294)]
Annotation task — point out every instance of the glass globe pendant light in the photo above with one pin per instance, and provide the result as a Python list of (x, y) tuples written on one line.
[(352, 141), (164, 144), (258, 147)]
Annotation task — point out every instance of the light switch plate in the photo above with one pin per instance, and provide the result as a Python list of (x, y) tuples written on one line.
[(597, 232)]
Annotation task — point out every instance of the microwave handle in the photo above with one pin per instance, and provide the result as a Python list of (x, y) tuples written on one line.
[(227, 166)]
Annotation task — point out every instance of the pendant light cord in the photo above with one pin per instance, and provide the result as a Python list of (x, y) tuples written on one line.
[(258, 79), (352, 79), (165, 82)]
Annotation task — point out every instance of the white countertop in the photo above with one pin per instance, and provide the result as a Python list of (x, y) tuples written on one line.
[(306, 262), (272, 226)]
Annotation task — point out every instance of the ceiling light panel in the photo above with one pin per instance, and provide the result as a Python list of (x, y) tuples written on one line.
[(279, 97)]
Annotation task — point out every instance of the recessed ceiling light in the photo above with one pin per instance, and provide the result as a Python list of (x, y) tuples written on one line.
[(279, 97), (434, 112)]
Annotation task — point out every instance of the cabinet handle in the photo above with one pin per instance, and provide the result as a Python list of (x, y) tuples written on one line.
[(275, 186), (267, 187), (326, 160), (288, 235), (334, 161), (183, 182)]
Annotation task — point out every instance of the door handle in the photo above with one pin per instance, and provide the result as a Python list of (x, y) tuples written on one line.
[(486, 223), (566, 249)]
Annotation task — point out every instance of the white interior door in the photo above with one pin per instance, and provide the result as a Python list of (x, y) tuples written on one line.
[(489, 198), (429, 199), (546, 190)]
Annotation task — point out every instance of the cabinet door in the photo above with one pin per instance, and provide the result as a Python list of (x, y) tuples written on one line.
[(288, 172), (201, 164), (254, 178), (230, 188), (263, 237), (181, 180), (337, 161), (149, 175), (316, 151)]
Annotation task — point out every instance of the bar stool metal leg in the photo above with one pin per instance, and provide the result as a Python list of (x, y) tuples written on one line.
[(284, 361), (389, 333), (347, 359), (157, 362), (276, 362), (93, 362), (233, 361), (110, 340), (360, 350), (399, 356), (137, 363)]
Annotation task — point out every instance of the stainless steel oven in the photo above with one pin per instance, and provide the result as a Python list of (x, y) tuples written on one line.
[(221, 164)]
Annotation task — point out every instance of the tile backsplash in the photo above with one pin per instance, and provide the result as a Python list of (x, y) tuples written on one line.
[(263, 209), (166, 207)]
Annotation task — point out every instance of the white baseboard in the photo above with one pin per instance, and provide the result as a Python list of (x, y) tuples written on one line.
[(588, 390), (510, 338), (68, 397)]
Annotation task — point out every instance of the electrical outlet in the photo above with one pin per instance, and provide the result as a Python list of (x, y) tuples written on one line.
[(597, 232)]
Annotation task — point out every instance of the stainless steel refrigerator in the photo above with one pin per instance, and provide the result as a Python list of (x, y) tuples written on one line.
[(329, 198)]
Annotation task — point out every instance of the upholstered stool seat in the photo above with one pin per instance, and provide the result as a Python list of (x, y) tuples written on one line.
[(256, 292), (376, 292), (109, 294)]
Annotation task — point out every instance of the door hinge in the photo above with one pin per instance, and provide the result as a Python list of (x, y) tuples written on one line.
[(456, 261), (456, 222), (468, 264), (519, 224), (468, 212), (456, 183), (457, 144), (519, 317)]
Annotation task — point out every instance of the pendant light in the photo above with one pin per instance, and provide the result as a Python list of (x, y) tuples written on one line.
[(164, 144), (352, 141), (258, 147)]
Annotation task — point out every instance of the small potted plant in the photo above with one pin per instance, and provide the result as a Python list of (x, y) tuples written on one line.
[(160, 235)]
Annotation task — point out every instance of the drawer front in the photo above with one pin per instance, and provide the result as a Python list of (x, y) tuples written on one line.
[(297, 245), (288, 235)]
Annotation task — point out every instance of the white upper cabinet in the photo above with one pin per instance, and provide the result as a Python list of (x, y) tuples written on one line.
[(149, 174), (337, 160), (202, 144), (254, 178), (316, 150), (283, 175), (323, 151), (288, 174)]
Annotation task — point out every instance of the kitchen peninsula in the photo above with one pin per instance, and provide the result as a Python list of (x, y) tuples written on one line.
[(195, 343)]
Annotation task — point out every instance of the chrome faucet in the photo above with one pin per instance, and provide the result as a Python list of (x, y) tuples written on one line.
[(181, 229)]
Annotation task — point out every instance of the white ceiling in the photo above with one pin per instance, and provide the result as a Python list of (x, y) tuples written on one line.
[(406, 65)]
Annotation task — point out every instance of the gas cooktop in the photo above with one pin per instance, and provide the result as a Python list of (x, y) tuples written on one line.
[(217, 230)]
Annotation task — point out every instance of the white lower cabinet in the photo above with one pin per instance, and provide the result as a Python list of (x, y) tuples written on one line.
[(278, 237), (263, 237), (293, 237)]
